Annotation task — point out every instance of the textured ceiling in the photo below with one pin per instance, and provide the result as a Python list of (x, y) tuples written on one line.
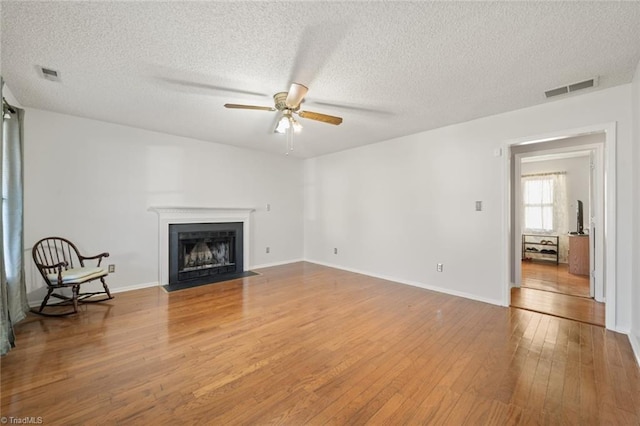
[(388, 68)]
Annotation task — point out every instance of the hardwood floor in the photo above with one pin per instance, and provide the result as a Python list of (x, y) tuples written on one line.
[(306, 344), (543, 285), (561, 305), (556, 278)]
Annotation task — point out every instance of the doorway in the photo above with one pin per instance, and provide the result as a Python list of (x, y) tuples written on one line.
[(555, 190), (545, 282)]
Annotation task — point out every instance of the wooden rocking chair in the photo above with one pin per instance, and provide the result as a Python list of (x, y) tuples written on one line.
[(62, 266)]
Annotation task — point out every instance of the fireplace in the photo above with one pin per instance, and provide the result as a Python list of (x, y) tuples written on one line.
[(225, 218), (204, 252)]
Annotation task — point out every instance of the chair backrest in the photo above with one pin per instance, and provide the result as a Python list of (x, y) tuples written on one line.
[(52, 251)]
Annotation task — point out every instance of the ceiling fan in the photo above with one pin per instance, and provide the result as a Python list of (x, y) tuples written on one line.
[(289, 103)]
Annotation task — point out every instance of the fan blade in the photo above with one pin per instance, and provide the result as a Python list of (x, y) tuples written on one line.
[(295, 95), (349, 107), (203, 88), (261, 108), (320, 117)]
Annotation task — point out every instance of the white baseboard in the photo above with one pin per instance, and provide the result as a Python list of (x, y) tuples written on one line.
[(268, 265), (133, 287), (635, 345), (34, 303), (113, 290), (413, 283)]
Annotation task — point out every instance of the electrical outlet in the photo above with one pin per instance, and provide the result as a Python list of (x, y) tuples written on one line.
[(268, 207), (335, 250), (478, 206), (439, 267), (112, 268), (268, 250)]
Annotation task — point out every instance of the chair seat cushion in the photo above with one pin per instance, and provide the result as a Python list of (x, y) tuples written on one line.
[(78, 275)]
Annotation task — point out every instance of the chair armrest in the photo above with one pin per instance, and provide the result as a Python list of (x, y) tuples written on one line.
[(57, 265), (97, 256)]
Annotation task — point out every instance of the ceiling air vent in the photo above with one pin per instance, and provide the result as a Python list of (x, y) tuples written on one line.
[(592, 82), (556, 92), (50, 74), (582, 85)]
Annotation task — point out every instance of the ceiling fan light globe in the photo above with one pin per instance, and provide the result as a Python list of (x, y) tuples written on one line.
[(283, 125)]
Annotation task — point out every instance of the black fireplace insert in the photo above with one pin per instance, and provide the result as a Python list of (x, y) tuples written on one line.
[(204, 252)]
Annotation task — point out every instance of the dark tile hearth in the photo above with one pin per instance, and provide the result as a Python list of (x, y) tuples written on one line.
[(213, 280)]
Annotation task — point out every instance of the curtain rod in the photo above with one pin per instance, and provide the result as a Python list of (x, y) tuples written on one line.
[(10, 107), (544, 174)]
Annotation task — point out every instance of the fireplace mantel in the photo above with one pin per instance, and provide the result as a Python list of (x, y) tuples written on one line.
[(171, 215)]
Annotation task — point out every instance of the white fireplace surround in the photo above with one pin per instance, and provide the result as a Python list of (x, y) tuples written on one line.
[(172, 215)]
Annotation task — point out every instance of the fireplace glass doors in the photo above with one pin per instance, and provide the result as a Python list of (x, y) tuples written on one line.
[(199, 252)]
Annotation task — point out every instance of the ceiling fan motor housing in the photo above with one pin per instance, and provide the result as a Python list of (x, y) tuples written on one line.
[(280, 102)]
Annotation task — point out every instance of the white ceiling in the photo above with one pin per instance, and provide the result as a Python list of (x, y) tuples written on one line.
[(388, 68)]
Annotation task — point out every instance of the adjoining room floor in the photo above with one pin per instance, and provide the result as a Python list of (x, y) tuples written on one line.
[(551, 289), (554, 277)]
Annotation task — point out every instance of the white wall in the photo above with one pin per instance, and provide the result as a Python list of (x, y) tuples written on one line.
[(94, 182), (397, 208), (577, 180), (635, 304)]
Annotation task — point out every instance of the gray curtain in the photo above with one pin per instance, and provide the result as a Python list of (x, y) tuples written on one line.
[(13, 293)]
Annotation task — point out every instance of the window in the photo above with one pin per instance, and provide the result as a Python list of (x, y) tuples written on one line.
[(538, 199)]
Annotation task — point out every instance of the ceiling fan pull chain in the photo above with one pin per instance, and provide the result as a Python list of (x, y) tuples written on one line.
[(289, 138)]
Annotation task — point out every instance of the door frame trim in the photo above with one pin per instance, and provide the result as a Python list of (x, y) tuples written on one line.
[(609, 197)]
